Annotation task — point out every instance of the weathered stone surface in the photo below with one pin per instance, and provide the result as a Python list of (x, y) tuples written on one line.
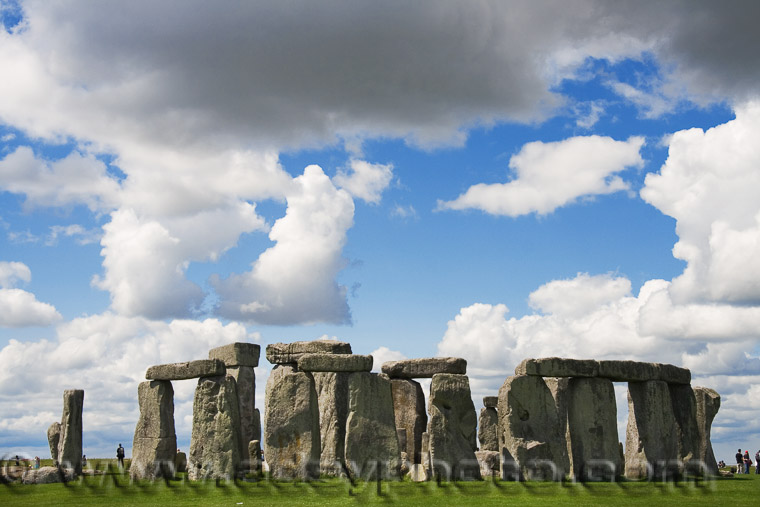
[(425, 454), (410, 414), (490, 401), (628, 371), (254, 457), (154, 446), (47, 475), (245, 384), (291, 429), (256, 424), (424, 367), (70, 442), (685, 412), (673, 374), (190, 369), (418, 473), (452, 428), (372, 448), (334, 362), (488, 426), (651, 442), (332, 395), (54, 437), (237, 354), (530, 434), (558, 367), (488, 461), (180, 462), (592, 429), (708, 404), (215, 448), (289, 353)]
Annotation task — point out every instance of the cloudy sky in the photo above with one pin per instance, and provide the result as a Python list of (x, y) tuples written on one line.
[(485, 179)]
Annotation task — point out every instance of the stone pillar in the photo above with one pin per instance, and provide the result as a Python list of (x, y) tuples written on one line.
[(410, 414), (372, 448), (215, 448), (452, 428), (488, 425), (254, 457), (154, 447), (70, 443), (245, 385), (708, 404), (684, 406), (54, 437), (651, 443), (332, 395), (291, 433)]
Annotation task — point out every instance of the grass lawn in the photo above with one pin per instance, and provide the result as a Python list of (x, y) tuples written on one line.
[(114, 488)]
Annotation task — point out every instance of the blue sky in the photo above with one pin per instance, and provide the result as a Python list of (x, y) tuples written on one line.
[(493, 182)]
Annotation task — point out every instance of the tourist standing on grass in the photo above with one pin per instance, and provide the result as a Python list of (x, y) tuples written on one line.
[(747, 462), (739, 461), (757, 462), (120, 455)]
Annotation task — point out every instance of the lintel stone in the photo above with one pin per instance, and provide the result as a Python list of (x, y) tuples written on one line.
[(558, 367), (335, 362), (237, 354), (290, 353), (187, 370), (425, 367), (490, 401)]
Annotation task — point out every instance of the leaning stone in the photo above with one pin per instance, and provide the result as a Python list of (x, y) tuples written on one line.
[(154, 447), (48, 475), (410, 415), (685, 411), (708, 404), (488, 425), (651, 443), (332, 396), (181, 371), (673, 374), (558, 367), (254, 457), (530, 433), (215, 448), (628, 371), (289, 353), (335, 362), (54, 436), (452, 428), (70, 443), (237, 354), (490, 401), (291, 429), (245, 384), (424, 367), (488, 461), (372, 449), (592, 429)]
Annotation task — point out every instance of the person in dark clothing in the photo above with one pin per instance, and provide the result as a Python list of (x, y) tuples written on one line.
[(739, 461), (120, 455)]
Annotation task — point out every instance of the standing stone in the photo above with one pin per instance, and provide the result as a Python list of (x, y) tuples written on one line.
[(290, 353), (488, 461), (559, 387), (245, 384), (54, 436), (708, 403), (154, 447), (651, 443), (410, 414), (426, 461), (256, 424), (452, 428), (685, 412), (215, 448), (332, 395), (372, 448), (70, 443), (291, 430), (490, 401), (488, 425), (531, 440), (180, 462), (254, 457), (592, 429)]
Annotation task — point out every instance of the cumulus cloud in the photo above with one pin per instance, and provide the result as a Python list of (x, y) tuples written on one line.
[(365, 181), (11, 273), (19, 308), (550, 175), (294, 281)]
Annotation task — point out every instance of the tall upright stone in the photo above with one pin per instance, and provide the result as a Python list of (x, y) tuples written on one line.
[(70, 443), (410, 414), (215, 448), (332, 396), (245, 385), (291, 430), (154, 447), (452, 427), (684, 405), (54, 437), (531, 439), (708, 404), (372, 448), (651, 443), (488, 429)]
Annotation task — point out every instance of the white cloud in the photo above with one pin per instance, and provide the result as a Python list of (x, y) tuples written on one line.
[(365, 181), (382, 355), (83, 236), (551, 175), (11, 273), (652, 104), (19, 308), (580, 295)]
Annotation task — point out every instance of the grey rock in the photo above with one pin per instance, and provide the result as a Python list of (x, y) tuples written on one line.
[(684, 406), (372, 448), (54, 437), (418, 473), (70, 442), (334, 362), (237, 354), (673, 374), (215, 448), (708, 404), (531, 439), (558, 367), (410, 414), (401, 434), (488, 429), (424, 367), (425, 453), (289, 353), (180, 462), (254, 457), (651, 442), (190, 369), (628, 371), (256, 424), (154, 446), (245, 384), (48, 475), (291, 429), (558, 386), (452, 428), (488, 461), (332, 395), (592, 429), (490, 401)]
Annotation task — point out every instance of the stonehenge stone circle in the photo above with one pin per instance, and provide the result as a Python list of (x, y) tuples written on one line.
[(334, 362), (237, 354), (424, 367), (332, 398), (708, 403), (558, 367), (54, 437), (154, 446), (488, 429), (452, 427), (620, 371), (289, 353), (70, 442), (411, 415), (291, 437), (245, 385), (186, 370), (372, 448), (684, 405)]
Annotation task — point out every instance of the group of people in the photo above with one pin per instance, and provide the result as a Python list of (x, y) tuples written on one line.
[(743, 462)]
